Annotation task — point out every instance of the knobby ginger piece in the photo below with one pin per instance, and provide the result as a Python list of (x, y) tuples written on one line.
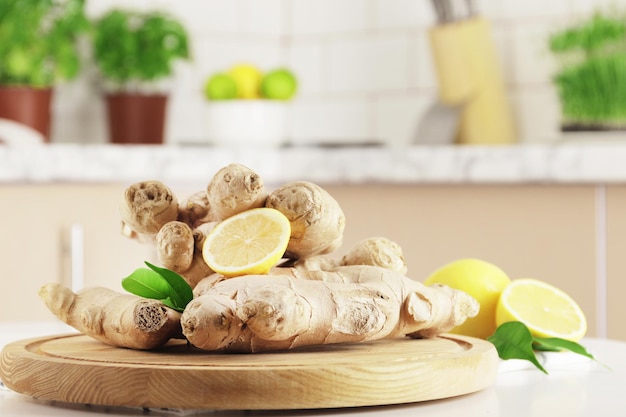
[(233, 189), (374, 251), (256, 313), (146, 207), (194, 209), (317, 220), (121, 320), (175, 245)]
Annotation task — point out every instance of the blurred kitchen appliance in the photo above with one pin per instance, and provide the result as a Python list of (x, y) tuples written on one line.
[(468, 74)]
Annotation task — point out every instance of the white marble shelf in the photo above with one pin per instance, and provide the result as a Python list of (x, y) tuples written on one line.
[(563, 163)]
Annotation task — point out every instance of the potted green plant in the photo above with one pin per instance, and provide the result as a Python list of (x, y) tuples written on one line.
[(39, 47), (135, 53), (591, 80)]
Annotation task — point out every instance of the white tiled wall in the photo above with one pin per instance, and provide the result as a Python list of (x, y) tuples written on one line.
[(364, 66)]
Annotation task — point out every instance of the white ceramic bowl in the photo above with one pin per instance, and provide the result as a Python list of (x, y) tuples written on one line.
[(257, 123)]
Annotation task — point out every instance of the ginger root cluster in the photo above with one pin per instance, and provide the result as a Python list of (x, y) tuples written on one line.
[(310, 299)]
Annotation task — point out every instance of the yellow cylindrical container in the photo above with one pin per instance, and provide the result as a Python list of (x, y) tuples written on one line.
[(450, 60), (469, 74), (487, 117)]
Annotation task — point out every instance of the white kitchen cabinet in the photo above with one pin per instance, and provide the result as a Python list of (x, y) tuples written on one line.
[(36, 224)]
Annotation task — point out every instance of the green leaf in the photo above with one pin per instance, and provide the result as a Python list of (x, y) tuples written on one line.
[(513, 340), (555, 344), (181, 293), (168, 302), (146, 283), (159, 284)]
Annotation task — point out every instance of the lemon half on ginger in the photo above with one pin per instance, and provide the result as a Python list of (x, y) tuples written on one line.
[(251, 242), (546, 310)]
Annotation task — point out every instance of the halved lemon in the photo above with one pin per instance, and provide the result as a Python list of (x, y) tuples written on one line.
[(251, 242), (546, 310)]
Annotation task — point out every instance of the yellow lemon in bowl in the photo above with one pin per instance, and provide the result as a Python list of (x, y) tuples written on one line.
[(482, 280), (248, 80)]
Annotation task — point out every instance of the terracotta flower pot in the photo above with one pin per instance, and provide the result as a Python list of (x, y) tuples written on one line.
[(29, 106), (136, 118)]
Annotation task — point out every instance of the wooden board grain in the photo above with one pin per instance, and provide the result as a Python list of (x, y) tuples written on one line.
[(77, 369)]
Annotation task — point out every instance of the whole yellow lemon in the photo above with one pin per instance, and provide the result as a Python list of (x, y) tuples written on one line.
[(482, 280), (248, 80)]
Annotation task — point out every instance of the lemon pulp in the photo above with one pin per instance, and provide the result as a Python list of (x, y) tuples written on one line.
[(546, 310), (251, 242)]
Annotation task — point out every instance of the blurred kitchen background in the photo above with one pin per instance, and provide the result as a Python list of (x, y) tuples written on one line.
[(547, 206), (365, 67)]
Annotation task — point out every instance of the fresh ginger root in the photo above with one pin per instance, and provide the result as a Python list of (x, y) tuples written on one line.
[(150, 211), (317, 220), (121, 320), (233, 189), (374, 251), (175, 246), (348, 304), (362, 296), (178, 235), (146, 207)]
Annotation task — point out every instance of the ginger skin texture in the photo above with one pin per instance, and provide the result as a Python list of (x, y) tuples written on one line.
[(374, 251), (175, 246), (121, 320), (233, 189), (300, 308), (317, 220), (146, 207)]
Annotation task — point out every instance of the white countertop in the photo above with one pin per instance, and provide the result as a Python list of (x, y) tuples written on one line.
[(572, 162), (575, 386)]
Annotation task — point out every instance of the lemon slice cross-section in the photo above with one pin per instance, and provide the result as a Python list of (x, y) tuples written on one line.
[(251, 242), (546, 310)]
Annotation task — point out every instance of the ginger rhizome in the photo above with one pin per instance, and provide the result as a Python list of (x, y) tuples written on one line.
[(146, 207), (311, 298), (298, 308), (122, 320), (151, 212)]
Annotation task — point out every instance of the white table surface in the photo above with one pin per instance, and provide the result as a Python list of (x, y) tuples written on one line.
[(575, 386)]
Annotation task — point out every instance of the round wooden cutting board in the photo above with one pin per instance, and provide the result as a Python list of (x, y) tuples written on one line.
[(77, 369)]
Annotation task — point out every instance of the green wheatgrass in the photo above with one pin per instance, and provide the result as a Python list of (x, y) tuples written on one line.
[(591, 82)]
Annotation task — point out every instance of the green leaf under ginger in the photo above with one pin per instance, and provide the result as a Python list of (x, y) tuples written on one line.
[(146, 283), (181, 293), (159, 284), (513, 340)]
